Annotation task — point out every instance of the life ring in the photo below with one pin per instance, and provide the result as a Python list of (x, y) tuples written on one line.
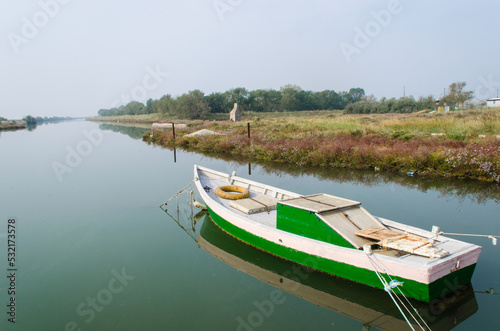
[(232, 192)]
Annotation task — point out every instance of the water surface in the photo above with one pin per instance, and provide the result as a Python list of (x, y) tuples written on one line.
[(95, 251)]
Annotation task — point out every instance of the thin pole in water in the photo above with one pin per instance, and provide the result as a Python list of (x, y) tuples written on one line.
[(248, 129)]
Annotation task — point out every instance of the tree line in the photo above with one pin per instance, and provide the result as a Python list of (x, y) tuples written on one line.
[(393, 105), (456, 98), (53, 119), (195, 104)]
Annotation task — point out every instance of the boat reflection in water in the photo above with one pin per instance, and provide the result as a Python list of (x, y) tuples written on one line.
[(372, 307)]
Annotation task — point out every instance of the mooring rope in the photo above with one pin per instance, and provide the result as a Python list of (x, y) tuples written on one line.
[(489, 236), (391, 294), (389, 289), (377, 264)]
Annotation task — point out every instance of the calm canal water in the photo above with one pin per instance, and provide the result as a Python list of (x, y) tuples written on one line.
[(95, 252)]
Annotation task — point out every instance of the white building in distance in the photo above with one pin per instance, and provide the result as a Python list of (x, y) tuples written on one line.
[(493, 103)]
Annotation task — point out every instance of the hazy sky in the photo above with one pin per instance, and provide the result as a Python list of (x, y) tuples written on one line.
[(73, 57)]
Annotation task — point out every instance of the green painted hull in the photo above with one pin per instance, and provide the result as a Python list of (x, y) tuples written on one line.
[(411, 288)]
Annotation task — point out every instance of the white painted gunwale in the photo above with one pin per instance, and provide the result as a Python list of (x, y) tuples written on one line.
[(420, 269)]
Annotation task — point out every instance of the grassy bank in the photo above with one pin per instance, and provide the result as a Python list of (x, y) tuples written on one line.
[(144, 119), (153, 118), (246, 115), (466, 147), (12, 125)]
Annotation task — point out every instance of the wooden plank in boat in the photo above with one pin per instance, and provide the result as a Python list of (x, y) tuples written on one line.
[(254, 205), (362, 218), (341, 224), (414, 245), (319, 203), (377, 233)]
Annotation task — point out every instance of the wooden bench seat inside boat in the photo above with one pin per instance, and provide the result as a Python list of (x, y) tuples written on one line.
[(320, 203), (254, 205)]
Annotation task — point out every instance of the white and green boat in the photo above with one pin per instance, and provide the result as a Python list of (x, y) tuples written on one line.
[(366, 304), (337, 236)]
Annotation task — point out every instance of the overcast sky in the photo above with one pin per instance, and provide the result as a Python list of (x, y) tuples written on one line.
[(73, 57)]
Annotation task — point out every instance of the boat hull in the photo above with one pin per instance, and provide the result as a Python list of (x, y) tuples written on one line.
[(369, 305), (426, 292)]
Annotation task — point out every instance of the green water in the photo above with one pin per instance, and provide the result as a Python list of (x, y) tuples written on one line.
[(95, 252)]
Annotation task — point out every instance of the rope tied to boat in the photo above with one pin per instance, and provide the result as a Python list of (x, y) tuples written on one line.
[(395, 284), (392, 284), (489, 236)]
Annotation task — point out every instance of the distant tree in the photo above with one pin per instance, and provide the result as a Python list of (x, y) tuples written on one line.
[(328, 99), (370, 97), (104, 112), (356, 94), (306, 101), (192, 105), (404, 105), (401, 105), (457, 96), (30, 120), (165, 105), (363, 107), (272, 101), (237, 95), (2, 119), (218, 103), (426, 102), (290, 97), (150, 106), (264, 100), (133, 108)]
